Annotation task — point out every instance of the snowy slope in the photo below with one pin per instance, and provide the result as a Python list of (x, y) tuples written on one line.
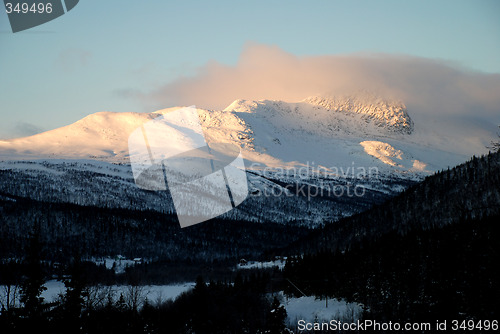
[(101, 135), (339, 133), (311, 310)]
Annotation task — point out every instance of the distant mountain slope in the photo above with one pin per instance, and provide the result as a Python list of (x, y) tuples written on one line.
[(389, 115), (97, 232), (338, 132), (99, 136), (272, 196), (468, 191)]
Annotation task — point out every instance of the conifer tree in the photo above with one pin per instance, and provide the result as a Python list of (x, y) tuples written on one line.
[(73, 300), (495, 145), (32, 284), (276, 318)]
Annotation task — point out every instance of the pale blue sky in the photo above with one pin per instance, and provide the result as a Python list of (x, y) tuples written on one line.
[(78, 64)]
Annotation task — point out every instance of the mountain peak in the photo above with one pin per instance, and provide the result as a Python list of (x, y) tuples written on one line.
[(361, 114), (391, 115)]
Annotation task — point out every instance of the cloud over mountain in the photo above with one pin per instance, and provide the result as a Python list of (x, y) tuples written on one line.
[(428, 87)]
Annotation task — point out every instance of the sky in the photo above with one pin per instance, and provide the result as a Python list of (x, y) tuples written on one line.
[(140, 56)]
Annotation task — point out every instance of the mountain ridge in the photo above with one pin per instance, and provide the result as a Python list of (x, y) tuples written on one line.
[(388, 114)]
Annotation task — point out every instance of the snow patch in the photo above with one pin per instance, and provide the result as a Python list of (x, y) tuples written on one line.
[(383, 151), (419, 165), (312, 309), (280, 264)]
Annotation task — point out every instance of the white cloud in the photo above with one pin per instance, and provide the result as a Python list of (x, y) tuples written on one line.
[(265, 72)]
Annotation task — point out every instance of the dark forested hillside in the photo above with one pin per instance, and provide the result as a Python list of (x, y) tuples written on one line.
[(468, 191), (430, 253), (441, 273), (92, 231), (106, 185)]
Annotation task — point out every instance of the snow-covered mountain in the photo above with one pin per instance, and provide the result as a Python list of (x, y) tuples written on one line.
[(389, 115), (330, 146), (327, 132)]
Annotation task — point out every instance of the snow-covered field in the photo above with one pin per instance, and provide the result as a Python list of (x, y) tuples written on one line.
[(311, 309), (99, 294), (153, 293), (259, 265)]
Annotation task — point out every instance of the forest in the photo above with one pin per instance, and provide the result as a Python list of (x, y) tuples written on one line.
[(429, 253)]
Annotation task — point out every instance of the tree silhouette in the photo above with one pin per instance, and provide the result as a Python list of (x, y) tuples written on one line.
[(276, 318), (495, 145), (32, 284), (73, 300)]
